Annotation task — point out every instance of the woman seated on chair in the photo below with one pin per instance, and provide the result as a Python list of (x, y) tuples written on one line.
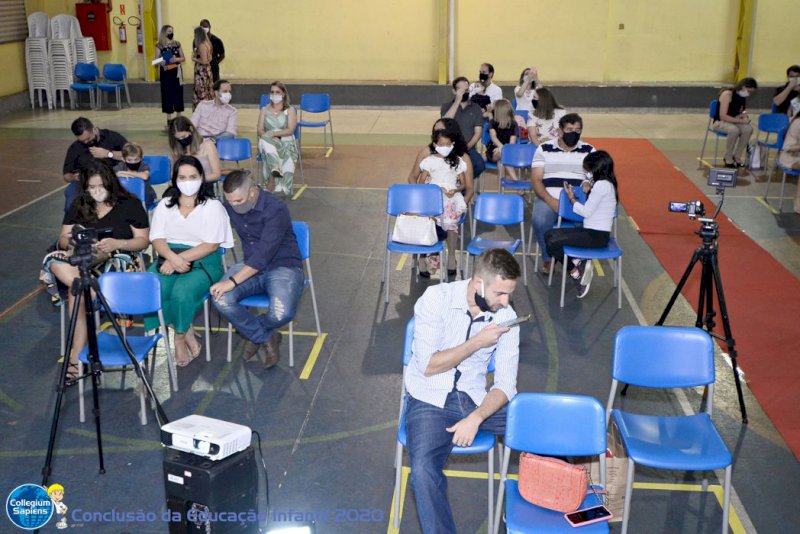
[(732, 119), (188, 227), (543, 121), (103, 204), (445, 129), (276, 144), (598, 214), (185, 140), (790, 154)]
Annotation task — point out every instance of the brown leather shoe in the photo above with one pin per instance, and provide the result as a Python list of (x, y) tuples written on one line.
[(250, 350), (271, 350)]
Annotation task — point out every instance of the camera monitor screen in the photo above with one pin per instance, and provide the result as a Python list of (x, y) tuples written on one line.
[(722, 177)]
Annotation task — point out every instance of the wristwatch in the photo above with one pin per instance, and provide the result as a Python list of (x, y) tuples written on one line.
[(110, 155)]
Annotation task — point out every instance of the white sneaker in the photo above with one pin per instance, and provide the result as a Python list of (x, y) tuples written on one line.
[(586, 280)]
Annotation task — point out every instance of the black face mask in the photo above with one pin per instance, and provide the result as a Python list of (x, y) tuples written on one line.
[(480, 300), (483, 77), (170, 35), (571, 138), (186, 141), (134, 166), (535, 103), (465, 97)]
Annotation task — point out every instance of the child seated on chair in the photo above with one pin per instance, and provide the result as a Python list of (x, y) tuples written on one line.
[(502, 131), (132, 166), (445, 169)]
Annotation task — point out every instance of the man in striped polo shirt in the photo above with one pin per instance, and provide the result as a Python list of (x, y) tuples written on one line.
[(555, 162), (456, 335)]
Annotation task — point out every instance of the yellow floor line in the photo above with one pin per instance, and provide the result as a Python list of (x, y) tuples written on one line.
[(764, 203), (633, 223), (299, 192), (312, 357), (404, 472), (704, 162), (598, 268), (402, 262), (733, 519)]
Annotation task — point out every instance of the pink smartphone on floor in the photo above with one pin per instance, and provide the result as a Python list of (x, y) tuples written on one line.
[(587, 516)]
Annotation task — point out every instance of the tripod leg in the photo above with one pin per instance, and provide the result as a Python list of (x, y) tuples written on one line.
[(62, 385), (679, 287), (729, 341), (95, 368)]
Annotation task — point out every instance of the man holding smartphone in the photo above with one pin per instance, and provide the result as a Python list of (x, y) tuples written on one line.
[(456, 335)]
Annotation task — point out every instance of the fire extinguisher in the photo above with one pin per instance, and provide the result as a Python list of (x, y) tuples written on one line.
[(123, 34), (136, 21)]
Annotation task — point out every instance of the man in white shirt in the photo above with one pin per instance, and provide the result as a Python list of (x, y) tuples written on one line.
[(216, 119), (555, 162), (456, 335), (486, 87)]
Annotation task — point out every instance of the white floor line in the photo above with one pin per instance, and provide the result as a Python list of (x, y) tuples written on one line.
[(34, 201), (736, 502)]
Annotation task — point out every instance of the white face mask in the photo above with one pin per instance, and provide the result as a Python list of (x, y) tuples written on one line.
[(190, 187), (276, 99), (744, 93), (225, 98), (444, 150), (589, 176), (99, 195), (206, 30)]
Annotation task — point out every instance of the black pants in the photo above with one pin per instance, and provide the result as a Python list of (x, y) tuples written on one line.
[(556, 239)]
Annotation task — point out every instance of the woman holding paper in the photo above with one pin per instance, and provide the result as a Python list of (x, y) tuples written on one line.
[(169, 56)]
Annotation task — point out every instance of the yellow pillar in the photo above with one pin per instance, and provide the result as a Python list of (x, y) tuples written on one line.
[(149, 26), (744, 39), (442, 44)]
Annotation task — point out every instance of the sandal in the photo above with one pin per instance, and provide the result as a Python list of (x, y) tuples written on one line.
[(422, 267), (192, 354), (72, 374)]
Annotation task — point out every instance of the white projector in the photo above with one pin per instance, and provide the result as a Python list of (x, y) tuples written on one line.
[(204, 436)]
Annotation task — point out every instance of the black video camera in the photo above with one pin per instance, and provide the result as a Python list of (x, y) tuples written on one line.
[(693, 208)]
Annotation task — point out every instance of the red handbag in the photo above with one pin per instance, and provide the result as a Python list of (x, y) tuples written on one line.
[(551, 483)]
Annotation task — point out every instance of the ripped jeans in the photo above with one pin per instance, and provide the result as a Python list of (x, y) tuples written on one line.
[(284, 285)]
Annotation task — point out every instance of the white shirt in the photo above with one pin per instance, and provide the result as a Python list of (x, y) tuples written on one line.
[(442, 174), (493, 91), (547, 128), (207, 223), (600, 208), (561, 166), (442, 321), (524, 102)]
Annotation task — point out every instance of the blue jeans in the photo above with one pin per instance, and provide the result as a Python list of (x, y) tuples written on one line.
[(429, 445), (70, 194), (284, 285), (544, 218), (478, 165)]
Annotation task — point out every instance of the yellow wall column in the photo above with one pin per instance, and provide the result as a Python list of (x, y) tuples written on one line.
[(744, 40), (15, 77)]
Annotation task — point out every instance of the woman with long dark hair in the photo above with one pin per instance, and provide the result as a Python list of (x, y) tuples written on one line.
[(598, 214), (185, 140), (188, 227), (103, 205), (732, 119), (543, 121), (203, 80), (276, 123)]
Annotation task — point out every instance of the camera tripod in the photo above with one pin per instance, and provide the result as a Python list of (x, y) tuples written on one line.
[(82, 288), (710, 282)]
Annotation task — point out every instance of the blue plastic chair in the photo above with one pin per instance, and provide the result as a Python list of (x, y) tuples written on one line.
[(115, 78), (499, 209), (236, 150), (485, 140), (536, 424), (567, 218), (786, 172), (668, 357), (712, 111), (316, 103), (414, 199), (207, 311), (303, 236), (483, 442), (129, 294), (519, 156), (160, 169), (263, 101), (133, 185), (772, 123), (86, 75)]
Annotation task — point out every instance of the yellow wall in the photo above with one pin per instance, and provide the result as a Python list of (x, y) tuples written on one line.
[(576, 41), (14, 78), (776, 41)]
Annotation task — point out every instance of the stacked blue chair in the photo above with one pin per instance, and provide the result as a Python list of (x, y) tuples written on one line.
[(129, 294), (483, 442), (425, 200), (115, 79), (535, 424), (499, 209), (318, 103), (668, 357), (712, 111), (86, 75)]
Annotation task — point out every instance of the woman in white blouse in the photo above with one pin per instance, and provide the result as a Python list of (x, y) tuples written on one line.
[(598, 214), (187, 230)]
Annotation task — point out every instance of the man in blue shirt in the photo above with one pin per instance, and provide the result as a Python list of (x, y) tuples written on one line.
[(271, 266)]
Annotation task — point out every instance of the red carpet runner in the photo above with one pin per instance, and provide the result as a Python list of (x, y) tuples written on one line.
[(763, 297)]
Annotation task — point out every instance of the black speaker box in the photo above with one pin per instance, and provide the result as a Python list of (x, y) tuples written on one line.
[(209, 496)]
